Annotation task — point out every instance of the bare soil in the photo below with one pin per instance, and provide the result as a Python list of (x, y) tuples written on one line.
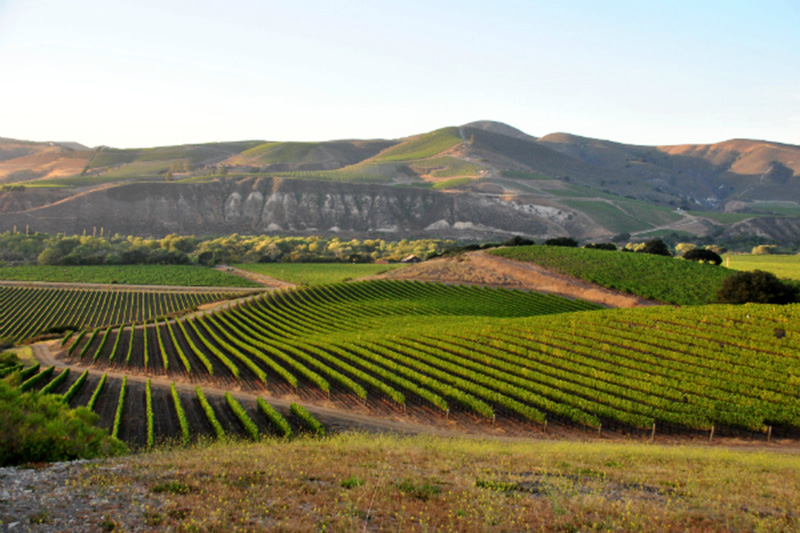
[(481, 268)]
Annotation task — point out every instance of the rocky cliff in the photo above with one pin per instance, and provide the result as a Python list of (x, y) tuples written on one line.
[(275, 205)]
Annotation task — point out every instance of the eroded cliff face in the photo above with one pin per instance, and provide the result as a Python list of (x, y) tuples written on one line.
[(274, 205)]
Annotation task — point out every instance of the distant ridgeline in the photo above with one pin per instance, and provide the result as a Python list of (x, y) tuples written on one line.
[(483, 180)]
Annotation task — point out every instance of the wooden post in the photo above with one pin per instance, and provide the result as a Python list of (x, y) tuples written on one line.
[(545, 425), (769, 433), (711, 435), (653, 433), (599, 428)]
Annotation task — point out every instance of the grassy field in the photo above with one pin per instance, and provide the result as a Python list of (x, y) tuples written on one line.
[(609, 215), (355, 482), (654, 277), (422, 146), (446, 167), (452, 183), (183, 275), (783, 266), (316, 273), (363, 172)]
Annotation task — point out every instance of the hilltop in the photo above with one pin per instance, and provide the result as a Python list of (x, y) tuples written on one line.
[(480, 180)]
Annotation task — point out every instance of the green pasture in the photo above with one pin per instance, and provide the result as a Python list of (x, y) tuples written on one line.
[(783, 266)]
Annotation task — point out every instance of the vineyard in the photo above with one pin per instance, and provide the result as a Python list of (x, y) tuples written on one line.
[(423, 146), (28, 311), (178, 275), (480, 356), (654, 277), (144, 414)]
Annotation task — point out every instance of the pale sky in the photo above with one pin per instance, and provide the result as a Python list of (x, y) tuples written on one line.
[(158, 72)]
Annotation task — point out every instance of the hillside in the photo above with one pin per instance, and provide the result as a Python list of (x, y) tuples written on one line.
[(558, 184)]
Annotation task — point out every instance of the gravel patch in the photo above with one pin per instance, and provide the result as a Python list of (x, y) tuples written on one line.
[(69, 496)]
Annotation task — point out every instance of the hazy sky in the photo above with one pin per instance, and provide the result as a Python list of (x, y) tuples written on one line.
[(145, 73)]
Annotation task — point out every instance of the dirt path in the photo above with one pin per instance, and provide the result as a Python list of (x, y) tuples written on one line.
[(480, 268), (258, 278)]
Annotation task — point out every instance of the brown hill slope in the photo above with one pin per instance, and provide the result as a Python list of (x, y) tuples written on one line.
[(25, 160)]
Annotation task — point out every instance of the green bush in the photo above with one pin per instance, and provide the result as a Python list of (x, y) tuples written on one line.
[(756, 287), (41, 428)]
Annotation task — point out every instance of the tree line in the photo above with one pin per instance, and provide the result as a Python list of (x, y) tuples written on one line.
[(41, 248)]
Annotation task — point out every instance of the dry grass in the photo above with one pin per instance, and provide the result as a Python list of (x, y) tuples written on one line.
[(356, 482)]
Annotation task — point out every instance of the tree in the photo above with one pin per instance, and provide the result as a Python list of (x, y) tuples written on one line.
[(763, 249), (562, 241), (756, 287), (704, 256), (655, 247), (683, 247), (518, 240)]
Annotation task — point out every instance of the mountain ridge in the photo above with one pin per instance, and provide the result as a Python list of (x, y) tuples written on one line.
[(599, 188)]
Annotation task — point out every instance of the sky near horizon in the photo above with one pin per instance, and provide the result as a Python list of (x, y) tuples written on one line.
[(160, 72)]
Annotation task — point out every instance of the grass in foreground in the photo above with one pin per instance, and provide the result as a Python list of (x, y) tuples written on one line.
[(316, 273), (354, 482), (182, 275)]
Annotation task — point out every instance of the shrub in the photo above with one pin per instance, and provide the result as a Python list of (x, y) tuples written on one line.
[(763, 249), (706, 256), (562, 241), (756, 287), (41, 428)]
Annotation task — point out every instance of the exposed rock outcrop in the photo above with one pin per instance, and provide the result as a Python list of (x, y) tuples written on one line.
[(264, 205)]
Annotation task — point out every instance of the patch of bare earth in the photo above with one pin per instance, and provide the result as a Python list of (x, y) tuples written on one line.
[(480, 268)]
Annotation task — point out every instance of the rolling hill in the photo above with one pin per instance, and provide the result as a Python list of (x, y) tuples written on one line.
[(504, 180)]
